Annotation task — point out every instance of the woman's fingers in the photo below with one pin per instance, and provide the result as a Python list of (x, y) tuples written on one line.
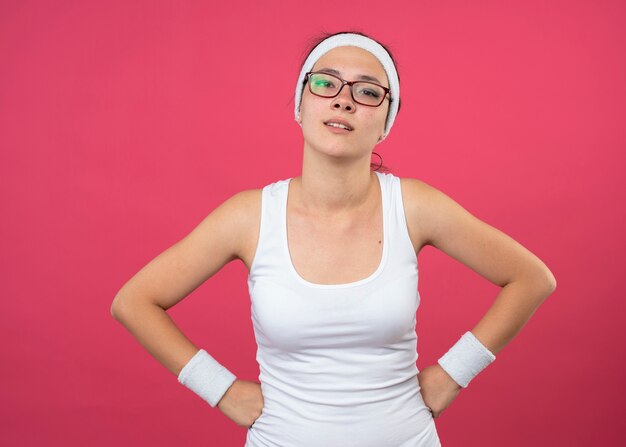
[(243, 402), (437, 388)]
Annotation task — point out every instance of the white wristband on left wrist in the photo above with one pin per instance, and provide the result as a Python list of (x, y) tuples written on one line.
[(466, 359)]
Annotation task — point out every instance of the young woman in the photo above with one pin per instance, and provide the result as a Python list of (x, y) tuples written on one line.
[(332, 260)]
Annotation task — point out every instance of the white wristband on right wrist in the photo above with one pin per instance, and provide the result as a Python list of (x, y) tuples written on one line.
[(466, 359), (206, 377)]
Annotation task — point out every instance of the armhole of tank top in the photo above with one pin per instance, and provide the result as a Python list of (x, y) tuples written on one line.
[(402, 213), (264, 191)]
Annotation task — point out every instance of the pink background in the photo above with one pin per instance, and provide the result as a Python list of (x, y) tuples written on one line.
[(123, 124)]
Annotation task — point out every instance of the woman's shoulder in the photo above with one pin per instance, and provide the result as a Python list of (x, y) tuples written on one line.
[(241, 212), (417, 192), (424, 207), (246, 204), (422, 197)]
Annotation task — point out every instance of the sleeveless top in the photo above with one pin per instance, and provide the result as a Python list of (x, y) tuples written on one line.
[(337, 361)]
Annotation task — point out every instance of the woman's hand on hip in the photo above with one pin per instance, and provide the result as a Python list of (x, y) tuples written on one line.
[(243, 402), (438, 388)]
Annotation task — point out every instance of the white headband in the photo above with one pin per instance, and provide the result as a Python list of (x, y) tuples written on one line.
[(354, 40)]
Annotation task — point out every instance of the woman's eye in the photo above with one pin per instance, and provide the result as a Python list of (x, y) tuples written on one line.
[(323, 83), (369, 92)]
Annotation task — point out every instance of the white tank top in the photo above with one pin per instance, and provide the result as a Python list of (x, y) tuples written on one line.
[(337, 362)]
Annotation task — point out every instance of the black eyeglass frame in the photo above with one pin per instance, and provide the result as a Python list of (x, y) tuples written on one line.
[(387, 90)]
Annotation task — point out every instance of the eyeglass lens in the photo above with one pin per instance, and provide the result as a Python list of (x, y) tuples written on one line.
[(328, 86)]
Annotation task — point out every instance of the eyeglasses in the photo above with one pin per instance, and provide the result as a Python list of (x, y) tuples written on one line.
[(328, 86)]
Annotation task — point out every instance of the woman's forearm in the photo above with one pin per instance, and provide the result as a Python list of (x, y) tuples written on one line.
[(513, 307), (157, 333)]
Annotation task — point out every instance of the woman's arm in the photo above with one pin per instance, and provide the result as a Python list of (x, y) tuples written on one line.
[(141, 304), (526, 282), (435, 219)]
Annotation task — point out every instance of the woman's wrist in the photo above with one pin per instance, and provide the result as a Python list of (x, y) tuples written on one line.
[(206, 377), (448, 378), (466, 359)]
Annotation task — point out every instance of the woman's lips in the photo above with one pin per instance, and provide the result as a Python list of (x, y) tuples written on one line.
[(338, 125)]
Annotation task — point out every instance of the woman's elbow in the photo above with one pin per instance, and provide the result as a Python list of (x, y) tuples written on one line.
[(121, 306), (539, 281), (546, 281), (552, 282), (117, 306)]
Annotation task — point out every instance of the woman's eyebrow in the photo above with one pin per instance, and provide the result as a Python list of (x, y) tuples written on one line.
[(360, 77)]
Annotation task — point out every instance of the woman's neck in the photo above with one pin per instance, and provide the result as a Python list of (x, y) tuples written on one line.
[(329, 192)]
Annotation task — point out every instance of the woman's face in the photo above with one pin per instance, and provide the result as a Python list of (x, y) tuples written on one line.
[(367, 123)]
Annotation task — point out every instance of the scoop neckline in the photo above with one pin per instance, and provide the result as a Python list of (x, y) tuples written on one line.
[(359, 282)]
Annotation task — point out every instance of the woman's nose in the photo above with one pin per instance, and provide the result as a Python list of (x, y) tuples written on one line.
[(344, 99)]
